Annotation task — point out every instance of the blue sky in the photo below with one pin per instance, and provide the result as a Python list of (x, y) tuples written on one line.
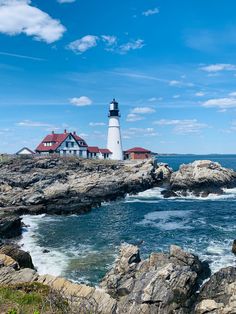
[(170, 64)]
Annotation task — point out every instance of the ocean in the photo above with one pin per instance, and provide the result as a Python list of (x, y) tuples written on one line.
[(82, 248)]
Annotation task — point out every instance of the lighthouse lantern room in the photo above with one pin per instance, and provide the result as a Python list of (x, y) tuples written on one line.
[(114, 143)]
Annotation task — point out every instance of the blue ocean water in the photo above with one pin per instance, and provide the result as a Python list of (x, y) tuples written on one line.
[(82, 248)]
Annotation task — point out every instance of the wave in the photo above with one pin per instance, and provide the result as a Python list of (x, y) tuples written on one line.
[(54, 262), (154, 195), (218, 254)]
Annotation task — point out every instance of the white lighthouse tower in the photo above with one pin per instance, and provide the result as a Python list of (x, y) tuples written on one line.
[(114, 143)]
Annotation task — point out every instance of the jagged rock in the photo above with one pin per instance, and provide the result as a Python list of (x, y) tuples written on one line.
[(9, 276), (8, 261), (202, 177), (164, 283), (83, 298), (10, 225), (23, 258), (219, 292), (163, 172)]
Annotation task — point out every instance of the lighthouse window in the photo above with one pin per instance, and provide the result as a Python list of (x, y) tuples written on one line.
[(118, 142)]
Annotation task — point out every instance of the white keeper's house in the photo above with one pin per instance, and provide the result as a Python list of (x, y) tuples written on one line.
[(68, 143)]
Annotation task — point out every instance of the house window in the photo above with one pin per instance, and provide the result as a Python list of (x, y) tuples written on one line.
[(72, 144), (67, 144)]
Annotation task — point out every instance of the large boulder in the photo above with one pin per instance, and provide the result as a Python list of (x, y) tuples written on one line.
[(23, 258), (218, 294), (201, 177), (10, 225), (163, 283)]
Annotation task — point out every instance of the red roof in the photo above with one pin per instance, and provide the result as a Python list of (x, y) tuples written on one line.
[(137, 150), (56, 140), (93, 149), (105, 151), (78, 139)]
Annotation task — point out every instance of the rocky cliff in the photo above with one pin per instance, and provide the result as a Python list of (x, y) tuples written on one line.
[(162, 284)]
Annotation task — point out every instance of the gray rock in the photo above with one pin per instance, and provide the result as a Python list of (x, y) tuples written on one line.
[(10, 225), (217, 295), (202, 177), (23, 258), (164, 283), (56, 185)]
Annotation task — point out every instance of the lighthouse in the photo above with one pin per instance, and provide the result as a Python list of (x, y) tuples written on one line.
[(114, 143)]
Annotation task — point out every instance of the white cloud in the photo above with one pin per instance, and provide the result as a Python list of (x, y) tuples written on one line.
[(176, 96), (97, 123), (109, 39), (132, 45), (151, 12), (66, 1), (219, 67), (19, 17), (152, 99), (183, 126), (180, 83), (131, 132), (200, 94), (132, 117), (29, 123), (143, 110), (81, 101), (222, 103), (83, 44), (233, 94)]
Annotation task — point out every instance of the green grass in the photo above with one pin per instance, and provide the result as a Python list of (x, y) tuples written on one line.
[(31, 298)]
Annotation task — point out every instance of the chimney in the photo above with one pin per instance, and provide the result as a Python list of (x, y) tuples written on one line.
[(65, 131), (74, 133), (52, 132)]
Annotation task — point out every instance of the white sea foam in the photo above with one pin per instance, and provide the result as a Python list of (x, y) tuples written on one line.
[(218, 254), (155, 194), (167, 220), (54, 262)]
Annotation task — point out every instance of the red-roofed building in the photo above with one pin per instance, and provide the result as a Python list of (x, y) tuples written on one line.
[(98, 153), (137, 153), (63, 144)]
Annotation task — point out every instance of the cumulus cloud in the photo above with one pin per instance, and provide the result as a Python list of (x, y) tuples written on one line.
[(97, 123), (219, 67), (223, 103), (143, 110), (110, 43), (19, 17), (81, 101), (83, 44), (183, 126), (132, 117), (151, 12)]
